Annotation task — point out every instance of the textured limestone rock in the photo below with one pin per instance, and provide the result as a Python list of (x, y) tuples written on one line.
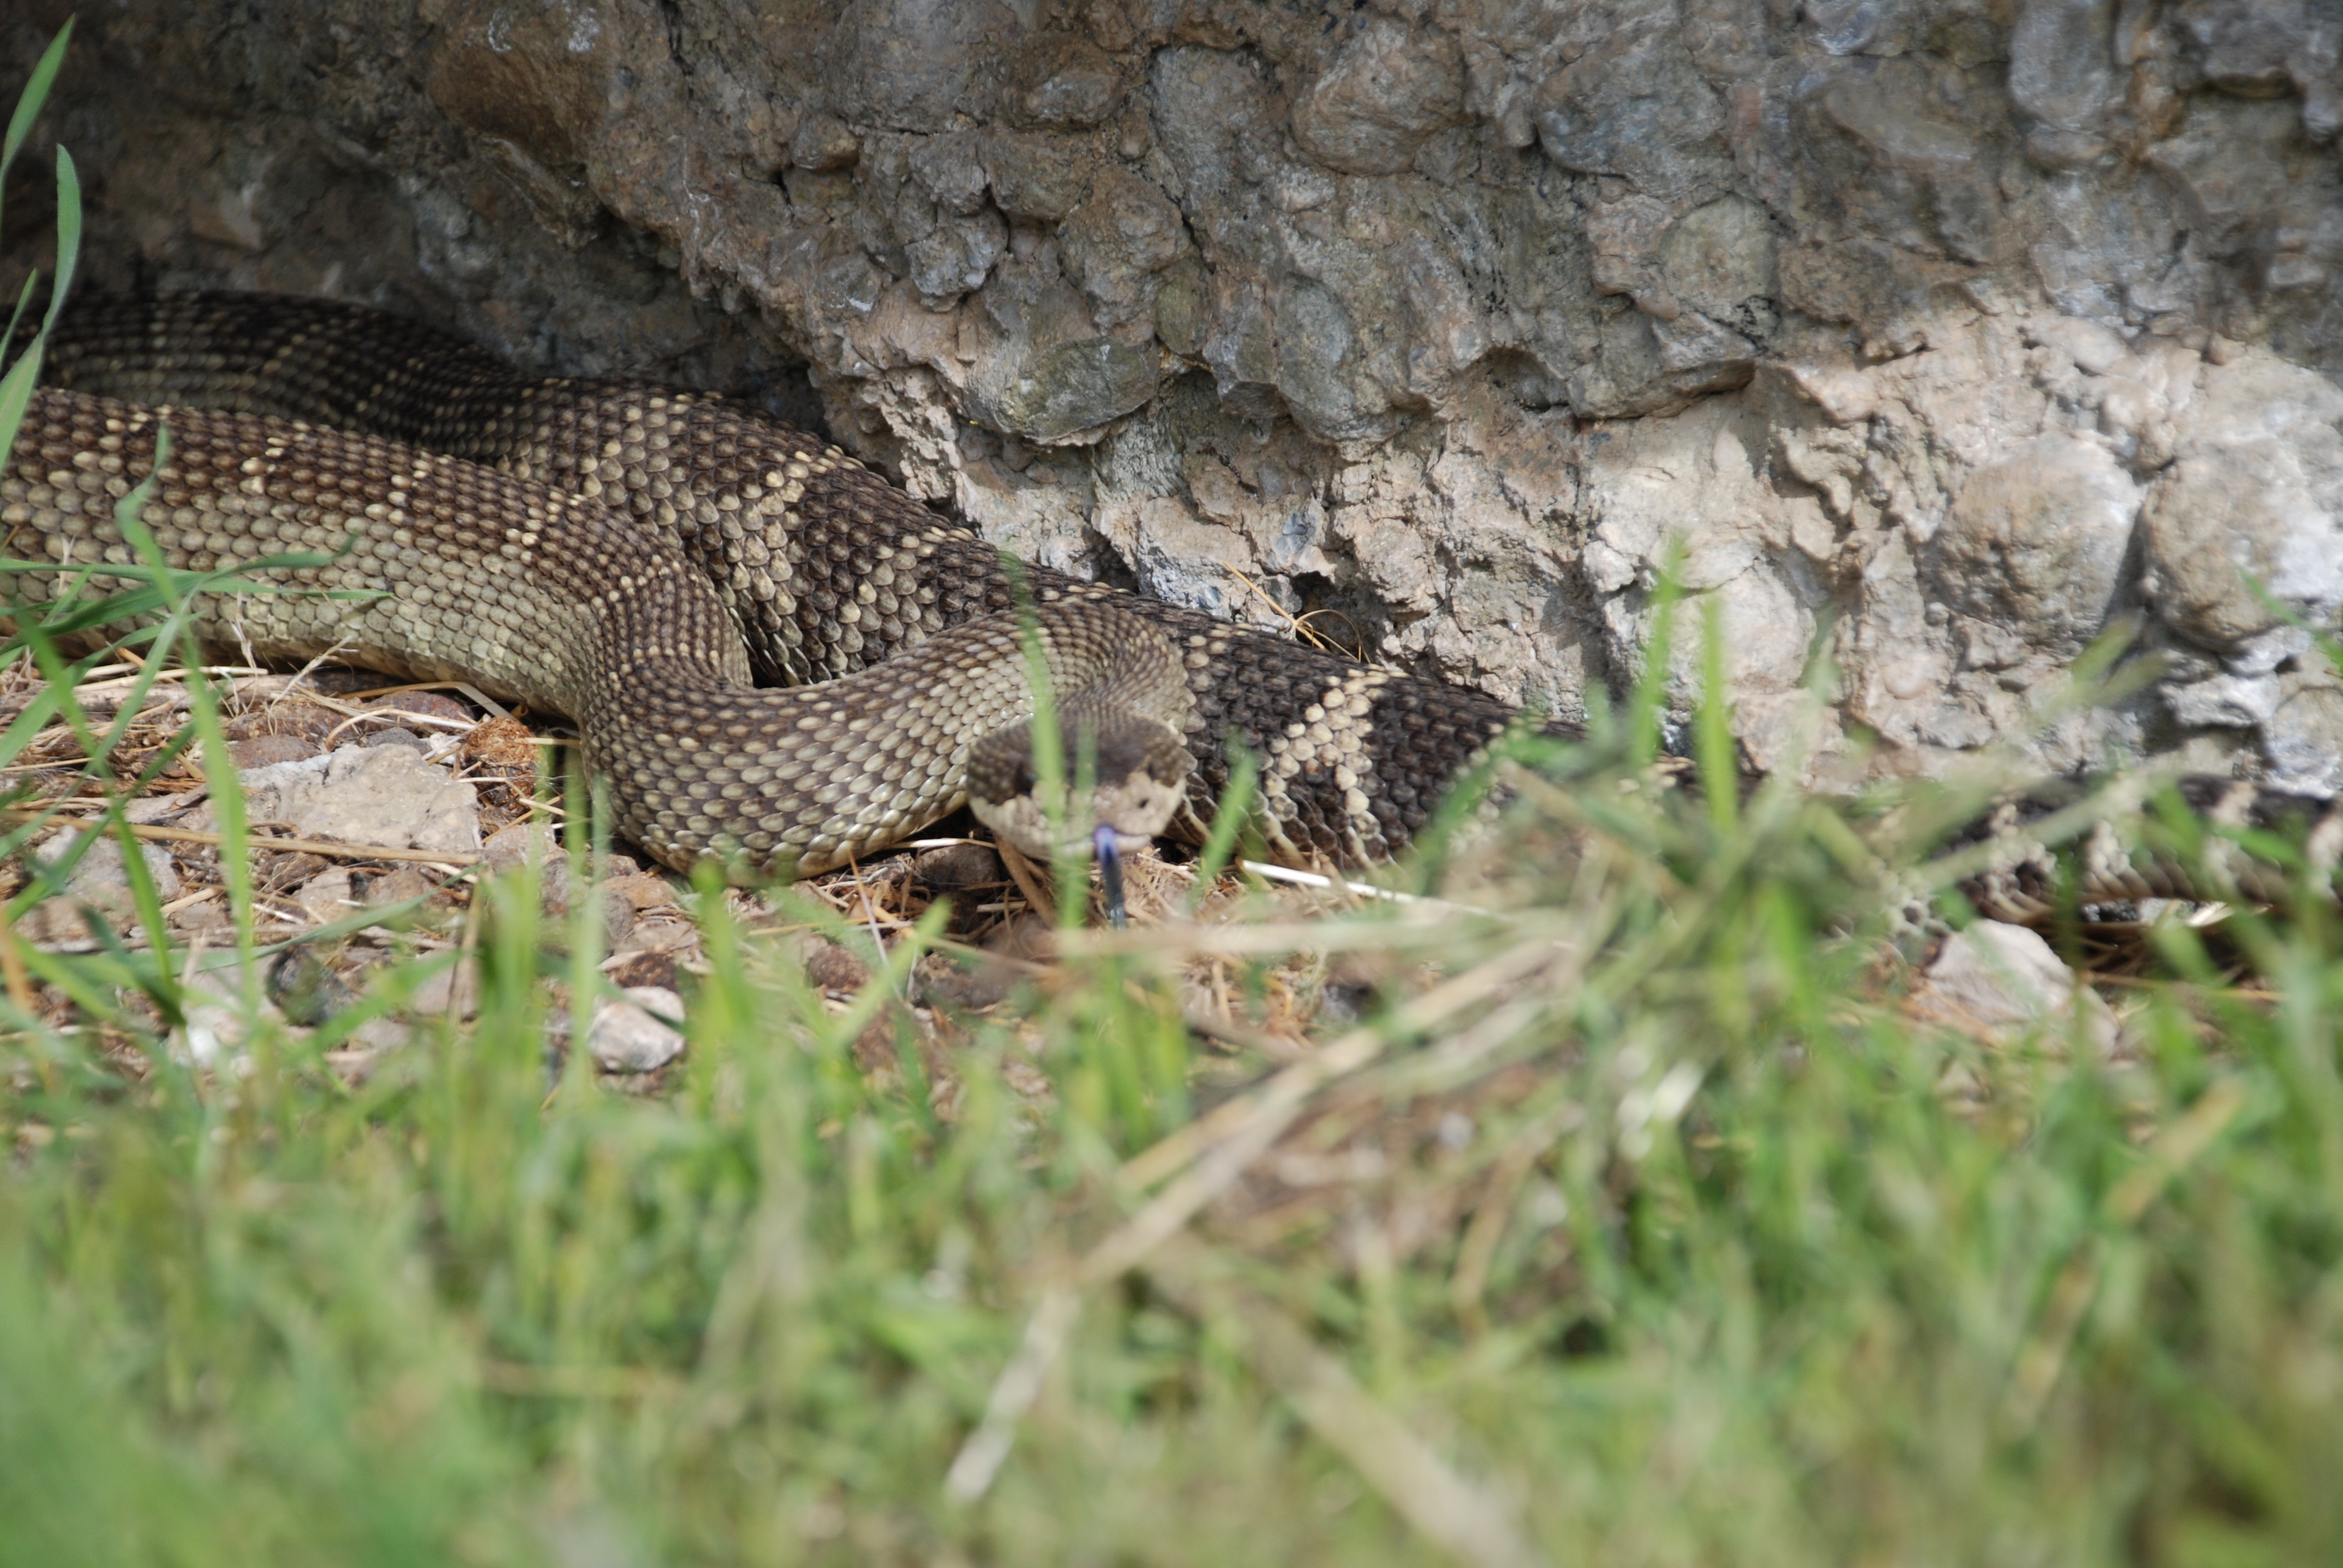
[(386, 795), (1935, 337)]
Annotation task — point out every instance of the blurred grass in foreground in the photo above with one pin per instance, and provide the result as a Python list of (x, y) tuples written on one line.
[(1635, 1224), (1645, 1228)]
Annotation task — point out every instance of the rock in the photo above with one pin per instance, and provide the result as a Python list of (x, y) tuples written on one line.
[(217, 1023), (1116, 241), (529, 78), (1041, 177), (2225, 700), (957, 865), (384, 794), (1065, 83), (650, 969), (830, 967), (669, 932), (822, 143), (403, 884), (2035, 543), (98, 887), (292, 715), (639, 893), (427, 705), (914, 64), (1030, 938), (1719, 257), (513, 846), (625, 1037), (2303, 739), (2002, 982), (1964, 278), (2255, 499), (453, 991), (1386, 90), (326, 896), (1633, 105)]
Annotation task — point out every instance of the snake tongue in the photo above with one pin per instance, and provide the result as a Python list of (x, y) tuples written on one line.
[(1109, 860)]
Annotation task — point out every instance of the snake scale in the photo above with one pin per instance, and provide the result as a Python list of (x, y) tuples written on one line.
[(637, 558)]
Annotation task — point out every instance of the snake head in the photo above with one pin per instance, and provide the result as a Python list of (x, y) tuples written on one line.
[(1138, 770)]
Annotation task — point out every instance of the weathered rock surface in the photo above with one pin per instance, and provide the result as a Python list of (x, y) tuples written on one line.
[(371, 794), (1950, 334), (625, 1036)]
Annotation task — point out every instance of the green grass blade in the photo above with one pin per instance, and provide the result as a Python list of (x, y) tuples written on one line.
[(1229, 817), (34, 95), (68, 237)]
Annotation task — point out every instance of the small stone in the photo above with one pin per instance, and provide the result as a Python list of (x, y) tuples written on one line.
[(645, 969), (376, 1036), (1997, 981), (1030, 938), (639, 892), (626, 1038), (658, 931), (955, 866), (376, 889), (422, 705), (511, 847), (938, 979), (214, 1027), (328, 896), (460, 984), (830, 967), (823, 143), (385, 795)]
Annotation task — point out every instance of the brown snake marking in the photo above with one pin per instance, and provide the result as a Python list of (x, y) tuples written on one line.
[(827, 572)]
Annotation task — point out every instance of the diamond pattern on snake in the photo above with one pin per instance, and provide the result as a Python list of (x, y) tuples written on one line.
[(777, 658)]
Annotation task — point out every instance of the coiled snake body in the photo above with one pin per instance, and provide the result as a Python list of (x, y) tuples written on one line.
[(634, 557)]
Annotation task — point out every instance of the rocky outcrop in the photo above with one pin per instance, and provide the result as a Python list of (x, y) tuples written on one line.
[(1931, 339)]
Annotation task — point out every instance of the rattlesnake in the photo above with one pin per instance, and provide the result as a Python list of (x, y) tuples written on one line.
[(766, 554)]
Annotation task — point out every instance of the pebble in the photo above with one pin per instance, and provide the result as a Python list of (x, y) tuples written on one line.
[(1997, 982), (625, 1038)]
